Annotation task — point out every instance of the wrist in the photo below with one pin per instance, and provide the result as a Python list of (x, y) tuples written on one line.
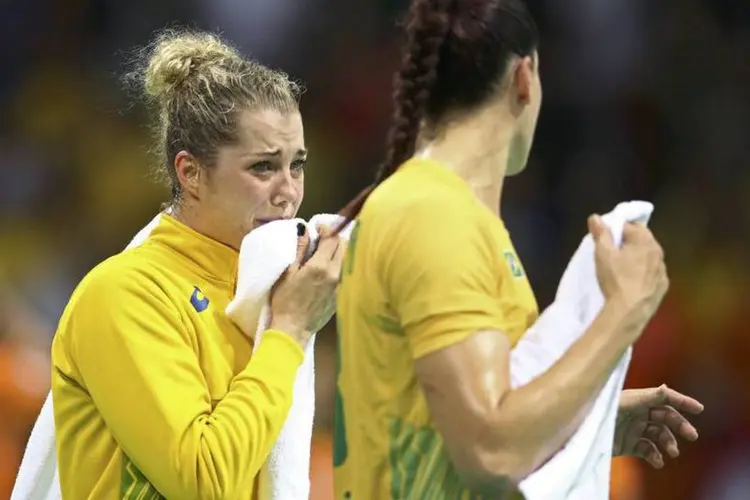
[(625, 317), (291, 328)]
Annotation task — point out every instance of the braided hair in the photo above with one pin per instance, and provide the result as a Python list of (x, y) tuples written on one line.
[(455, 54), (427, 25)]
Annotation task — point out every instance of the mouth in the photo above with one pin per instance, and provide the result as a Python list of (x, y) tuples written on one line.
[(266, 220)]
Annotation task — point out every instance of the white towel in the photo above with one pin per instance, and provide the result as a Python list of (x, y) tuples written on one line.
[(581, 470), (37, 478), (264, 255), (263, 258)]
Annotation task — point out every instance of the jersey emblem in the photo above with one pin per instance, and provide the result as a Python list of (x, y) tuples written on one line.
[(515, 265), (198, 300)]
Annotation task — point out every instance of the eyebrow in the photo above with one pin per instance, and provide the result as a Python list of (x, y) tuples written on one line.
[(277, 152)]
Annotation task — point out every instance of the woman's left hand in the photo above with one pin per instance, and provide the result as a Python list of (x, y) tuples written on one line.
[(649, 422)]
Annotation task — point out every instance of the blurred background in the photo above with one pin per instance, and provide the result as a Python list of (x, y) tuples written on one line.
[(647, 100)]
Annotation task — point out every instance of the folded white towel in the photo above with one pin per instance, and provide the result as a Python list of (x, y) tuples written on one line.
[(264, 256), (37, 478), (581, 470)]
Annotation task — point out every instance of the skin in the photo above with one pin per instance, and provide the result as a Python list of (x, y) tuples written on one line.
[(257, 180), (499, 134), (649, 422), (467, 385)]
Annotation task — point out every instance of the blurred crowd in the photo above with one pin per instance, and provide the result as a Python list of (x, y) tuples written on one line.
[(642, 100)]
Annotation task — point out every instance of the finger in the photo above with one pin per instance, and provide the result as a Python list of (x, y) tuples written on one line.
[(680, 401), (648, 451), (635, 233), (664, 286), (303, 242), (675, 421), (326, 244), (663, 437), (631, 432), (662, 396), (335, 265), (338, 256), (326, 248), (659, 250), (600, 232)]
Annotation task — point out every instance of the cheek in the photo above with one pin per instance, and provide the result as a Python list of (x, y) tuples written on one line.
[(248, 193), (257, 194), (300, 183)]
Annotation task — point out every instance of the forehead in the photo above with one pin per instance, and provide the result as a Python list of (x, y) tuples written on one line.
[(269, 129)]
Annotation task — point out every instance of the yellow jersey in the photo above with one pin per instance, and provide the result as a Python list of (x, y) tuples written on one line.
[(155, 393), (428, 265)]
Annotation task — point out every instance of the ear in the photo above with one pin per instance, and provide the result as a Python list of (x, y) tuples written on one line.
[(188, 173), (523, 79)]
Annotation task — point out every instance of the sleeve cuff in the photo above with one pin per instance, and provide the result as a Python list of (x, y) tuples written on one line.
[(278, 353)]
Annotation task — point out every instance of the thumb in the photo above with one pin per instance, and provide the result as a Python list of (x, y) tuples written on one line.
[(657, 395), (323, 231), (600, 232), (646, 398)]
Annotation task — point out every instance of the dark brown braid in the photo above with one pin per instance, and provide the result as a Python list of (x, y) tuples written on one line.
[(456, 53), (428, 23)]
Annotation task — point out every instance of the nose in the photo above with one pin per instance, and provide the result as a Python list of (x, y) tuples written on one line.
[(286, 190)]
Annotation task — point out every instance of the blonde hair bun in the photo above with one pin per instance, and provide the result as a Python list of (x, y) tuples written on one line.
[(176, 57)]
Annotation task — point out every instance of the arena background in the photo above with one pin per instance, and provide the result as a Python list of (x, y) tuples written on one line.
[(642, 99)]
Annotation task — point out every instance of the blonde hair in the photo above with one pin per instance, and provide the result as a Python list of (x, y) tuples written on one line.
[(198, 85)]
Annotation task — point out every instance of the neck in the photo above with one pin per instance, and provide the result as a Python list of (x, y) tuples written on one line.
[(477, 148), (195, 219)]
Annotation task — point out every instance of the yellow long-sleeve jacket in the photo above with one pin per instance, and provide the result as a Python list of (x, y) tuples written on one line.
[(154, 389)]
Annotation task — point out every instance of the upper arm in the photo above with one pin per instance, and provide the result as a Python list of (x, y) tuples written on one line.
[(142, 373), (463, 385), (138, 362)]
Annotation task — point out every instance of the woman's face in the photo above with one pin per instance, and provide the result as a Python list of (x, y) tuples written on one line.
[(259, 179)]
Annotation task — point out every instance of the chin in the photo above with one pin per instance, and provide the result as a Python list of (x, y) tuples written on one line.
[(518, 156), (247, 227), (515, 171), (516, 168)]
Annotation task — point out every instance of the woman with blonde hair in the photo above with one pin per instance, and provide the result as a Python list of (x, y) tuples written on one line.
[(157, 393)]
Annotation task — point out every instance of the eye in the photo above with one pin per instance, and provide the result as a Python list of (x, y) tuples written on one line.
[(262, 167), (299, 164)]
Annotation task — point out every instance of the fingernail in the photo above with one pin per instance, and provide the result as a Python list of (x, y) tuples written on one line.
[(301, 229)]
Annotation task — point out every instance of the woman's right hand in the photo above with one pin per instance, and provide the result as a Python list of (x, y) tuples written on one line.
[(304, 297), (634, 274)]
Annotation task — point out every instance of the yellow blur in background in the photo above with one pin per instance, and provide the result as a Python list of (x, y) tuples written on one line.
[(643, 100)]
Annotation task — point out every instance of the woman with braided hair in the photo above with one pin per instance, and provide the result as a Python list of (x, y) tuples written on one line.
[(434, 297)]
